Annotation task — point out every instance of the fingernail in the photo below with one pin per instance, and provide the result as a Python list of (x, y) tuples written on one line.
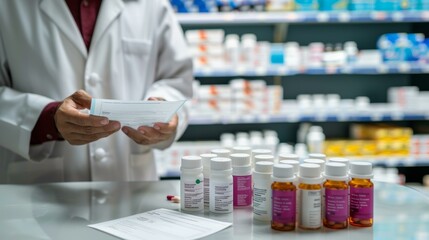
[(116, 125), (104, 122), (125, 130), (141, 131), (156, 127)]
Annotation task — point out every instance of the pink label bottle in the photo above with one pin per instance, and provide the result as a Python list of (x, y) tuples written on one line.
[(242, 180)]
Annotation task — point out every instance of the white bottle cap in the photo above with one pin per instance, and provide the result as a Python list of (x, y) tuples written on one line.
[(283, 173), (309, 173), (220, 164), (242, 149), (336, 171), (293, 163), (221, 152), (264, 167), (340, 160), (191, 162), (319, 162), (317, 156), (288, 156), (240, 159), (361, 170), (206, 158), (260, 152), (265, 157)]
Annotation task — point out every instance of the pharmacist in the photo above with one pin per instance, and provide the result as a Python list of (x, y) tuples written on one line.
[(55, 56)]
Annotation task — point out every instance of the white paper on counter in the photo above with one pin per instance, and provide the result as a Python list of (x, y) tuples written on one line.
[(161, 224), (135, 113)]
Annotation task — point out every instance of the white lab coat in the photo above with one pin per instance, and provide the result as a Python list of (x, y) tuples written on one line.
[(137, 51)]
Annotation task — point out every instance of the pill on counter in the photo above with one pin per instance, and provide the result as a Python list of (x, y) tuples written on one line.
[(169, 197), (175, 199)]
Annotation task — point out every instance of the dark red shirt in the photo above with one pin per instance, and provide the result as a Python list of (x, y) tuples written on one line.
[(85, 14)]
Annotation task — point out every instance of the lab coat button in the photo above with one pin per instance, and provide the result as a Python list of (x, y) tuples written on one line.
[(94, 79), (100, 154)]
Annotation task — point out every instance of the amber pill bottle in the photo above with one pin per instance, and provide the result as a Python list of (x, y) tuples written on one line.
[(335, 196), (283, 217), (361, 195)]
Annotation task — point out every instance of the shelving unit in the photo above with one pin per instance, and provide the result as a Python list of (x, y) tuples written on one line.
[(393, 68), (234, 18), (349, 81), (321, 117)]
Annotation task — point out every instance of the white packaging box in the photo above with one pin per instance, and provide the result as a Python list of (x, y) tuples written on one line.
[(212, 36)]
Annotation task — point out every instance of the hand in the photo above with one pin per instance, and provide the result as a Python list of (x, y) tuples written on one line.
[(79, 128), (146, 135)]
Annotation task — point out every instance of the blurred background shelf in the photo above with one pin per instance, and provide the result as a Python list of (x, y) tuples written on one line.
[(291, 118), (391, 68), (234, 18)]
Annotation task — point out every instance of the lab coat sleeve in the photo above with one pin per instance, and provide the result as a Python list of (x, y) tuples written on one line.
[(18, 115), (174, 71)]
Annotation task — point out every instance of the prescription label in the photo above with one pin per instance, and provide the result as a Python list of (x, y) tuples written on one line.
[(193, 194), (336, 205), (361, 202), (310, 210), (284, 206), (242, 190)]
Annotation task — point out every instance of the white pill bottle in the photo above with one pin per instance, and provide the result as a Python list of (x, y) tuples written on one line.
[(221, 185), (191, 184)]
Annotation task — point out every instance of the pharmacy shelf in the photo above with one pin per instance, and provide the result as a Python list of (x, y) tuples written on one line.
[(301, 17), (405, 161), (281, 70), (319, 117)]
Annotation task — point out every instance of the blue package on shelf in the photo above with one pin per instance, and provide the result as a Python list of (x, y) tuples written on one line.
[(240, 5), (306, 5), (388, 5), (423, 4), (361, 5), (401, 47), (333, 5), (424, 51), (277, 55)]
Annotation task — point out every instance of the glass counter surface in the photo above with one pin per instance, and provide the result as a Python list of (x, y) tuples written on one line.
[(63, 211)]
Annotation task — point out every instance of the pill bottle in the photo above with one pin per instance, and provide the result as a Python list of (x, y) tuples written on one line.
[(265, 157), (335, 196), (191, 184), (293, 160), (319, 162), (315, 140), (221, 152), (283, 198), (341, 160), (310, 196), (361, 194), (206, 157), (262, 191), (259, 151), (317, 156), (242, 149), (242, 176), (288, 156), (293, 163), (221, 184)]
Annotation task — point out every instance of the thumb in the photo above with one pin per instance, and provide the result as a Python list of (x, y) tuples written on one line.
[(82, 98)]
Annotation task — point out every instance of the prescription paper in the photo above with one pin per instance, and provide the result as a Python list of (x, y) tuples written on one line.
[(161, 224), (135, 113)]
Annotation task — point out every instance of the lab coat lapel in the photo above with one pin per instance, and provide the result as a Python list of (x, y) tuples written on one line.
[(109, 11), (58, 12)]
